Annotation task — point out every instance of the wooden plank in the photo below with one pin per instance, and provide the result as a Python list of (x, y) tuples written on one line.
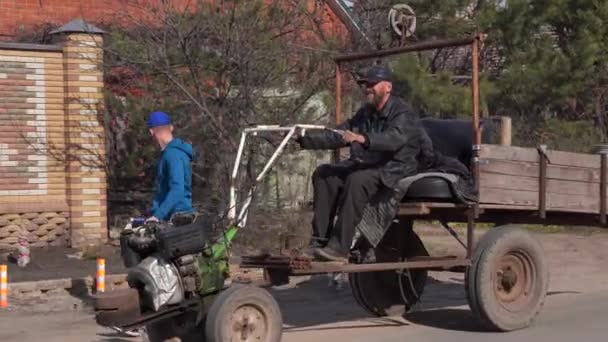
[(531, 155), (506, 206), (574, 203), (554, 186), (530, 169)]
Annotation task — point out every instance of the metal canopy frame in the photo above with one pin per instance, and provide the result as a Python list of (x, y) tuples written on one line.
[(471, 212)]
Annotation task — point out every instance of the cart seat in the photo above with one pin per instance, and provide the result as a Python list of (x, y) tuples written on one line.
[(452, 138)]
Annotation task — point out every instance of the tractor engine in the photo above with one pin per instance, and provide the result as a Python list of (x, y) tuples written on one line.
[(169, 264)]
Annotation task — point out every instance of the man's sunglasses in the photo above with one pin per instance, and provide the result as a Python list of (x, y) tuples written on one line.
[(368, 84)]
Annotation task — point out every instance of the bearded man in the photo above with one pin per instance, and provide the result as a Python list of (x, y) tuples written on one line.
[(384, 137)]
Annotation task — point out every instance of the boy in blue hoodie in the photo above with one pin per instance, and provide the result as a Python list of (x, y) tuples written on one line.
[(173, 184)]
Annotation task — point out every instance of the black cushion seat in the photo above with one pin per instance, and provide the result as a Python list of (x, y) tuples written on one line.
[(431, 188), (452, 138)]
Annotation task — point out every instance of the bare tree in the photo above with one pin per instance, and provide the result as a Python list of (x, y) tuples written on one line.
[(218, 69)]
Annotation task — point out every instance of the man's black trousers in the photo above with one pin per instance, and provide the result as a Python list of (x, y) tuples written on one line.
[(345, 190)]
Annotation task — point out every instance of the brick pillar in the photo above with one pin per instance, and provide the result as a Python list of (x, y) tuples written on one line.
[(85, 136)]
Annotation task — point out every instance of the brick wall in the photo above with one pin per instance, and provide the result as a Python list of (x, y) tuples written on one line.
[(24, 14), (52, 178)]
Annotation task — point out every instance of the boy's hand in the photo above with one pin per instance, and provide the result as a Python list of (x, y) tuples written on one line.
[(152, 219)]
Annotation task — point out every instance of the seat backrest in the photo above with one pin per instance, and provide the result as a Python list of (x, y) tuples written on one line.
[(453, 138)]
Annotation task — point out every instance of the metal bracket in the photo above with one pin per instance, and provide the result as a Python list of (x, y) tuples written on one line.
[(453, 233)]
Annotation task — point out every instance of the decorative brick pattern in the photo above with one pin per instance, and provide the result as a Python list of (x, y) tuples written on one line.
[(42, 229), (24, 122), (52, 143)]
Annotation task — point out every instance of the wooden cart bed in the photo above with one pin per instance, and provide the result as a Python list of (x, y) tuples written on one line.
[(528, 185)]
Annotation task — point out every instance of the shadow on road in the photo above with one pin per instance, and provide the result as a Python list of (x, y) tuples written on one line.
[(314, 304), (447, 319)]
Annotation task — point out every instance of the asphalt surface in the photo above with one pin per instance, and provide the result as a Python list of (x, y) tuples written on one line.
[(576, 308), (315, 312)]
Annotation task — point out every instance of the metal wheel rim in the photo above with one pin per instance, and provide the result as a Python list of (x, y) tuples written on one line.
[(514, 280), (249, 323)]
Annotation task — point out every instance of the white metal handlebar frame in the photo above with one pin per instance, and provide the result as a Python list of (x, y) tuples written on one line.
[(241, 219)]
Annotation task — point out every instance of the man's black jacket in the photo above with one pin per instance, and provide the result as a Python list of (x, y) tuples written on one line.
[(394, 138)]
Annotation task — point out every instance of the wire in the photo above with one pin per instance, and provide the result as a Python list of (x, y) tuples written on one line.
[(304, 47)]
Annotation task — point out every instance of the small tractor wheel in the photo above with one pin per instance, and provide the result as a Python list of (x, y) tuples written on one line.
[(507, 282), (244, 313)]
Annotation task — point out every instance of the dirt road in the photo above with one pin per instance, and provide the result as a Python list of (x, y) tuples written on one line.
[(577, 307)]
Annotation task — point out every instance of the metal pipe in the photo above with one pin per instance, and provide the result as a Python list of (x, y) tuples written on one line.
[(277, 128), (328, 267), (242, 218), (338, 8), (232, 202), (475, 89), (470, 232), (476, 120), (276, 154), (421, 46), (338, 115)]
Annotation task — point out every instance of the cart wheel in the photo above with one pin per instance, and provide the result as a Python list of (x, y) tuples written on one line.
[(244, 313), (507, 282), (381, 293)]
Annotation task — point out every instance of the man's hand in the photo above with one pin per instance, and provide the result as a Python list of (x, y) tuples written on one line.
[(351, 137)]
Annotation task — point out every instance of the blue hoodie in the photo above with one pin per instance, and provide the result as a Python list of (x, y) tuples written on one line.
[(173, 184)]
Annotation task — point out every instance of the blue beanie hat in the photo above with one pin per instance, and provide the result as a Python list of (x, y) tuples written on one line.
[(158, 119)]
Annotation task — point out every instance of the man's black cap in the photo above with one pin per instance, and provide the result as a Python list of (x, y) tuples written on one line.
[(375, 74)]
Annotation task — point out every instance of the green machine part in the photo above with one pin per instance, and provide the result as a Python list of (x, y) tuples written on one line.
[(213, 268)]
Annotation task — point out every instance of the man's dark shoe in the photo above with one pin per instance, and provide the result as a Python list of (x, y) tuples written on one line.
[(328, 254)]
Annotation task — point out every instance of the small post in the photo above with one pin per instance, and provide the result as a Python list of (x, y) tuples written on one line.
[(603, 189), (101, 275), (505, 131), (542, 183), (3, 287), (602, 150)]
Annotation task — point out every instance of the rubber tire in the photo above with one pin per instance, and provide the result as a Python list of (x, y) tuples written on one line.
[(378, 292), (479, 281), (231, 299)]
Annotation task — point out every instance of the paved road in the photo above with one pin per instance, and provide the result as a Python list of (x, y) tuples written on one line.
[(576, 308), (316, 313)]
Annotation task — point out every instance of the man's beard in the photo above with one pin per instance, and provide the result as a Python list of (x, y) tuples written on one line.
[(374, 98)]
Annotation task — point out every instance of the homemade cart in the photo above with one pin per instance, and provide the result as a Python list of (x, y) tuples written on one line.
[(179, 286), (506, 275)]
